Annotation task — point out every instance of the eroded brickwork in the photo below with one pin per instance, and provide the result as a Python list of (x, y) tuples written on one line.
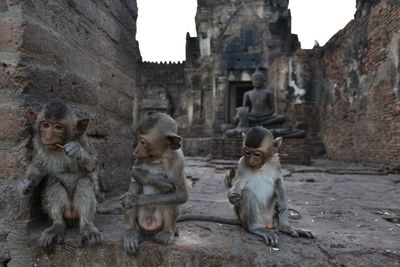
[(360, 100), (84, 52), (292, 151), (161, 88)]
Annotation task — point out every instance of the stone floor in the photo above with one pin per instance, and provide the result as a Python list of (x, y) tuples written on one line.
[(354, 212)]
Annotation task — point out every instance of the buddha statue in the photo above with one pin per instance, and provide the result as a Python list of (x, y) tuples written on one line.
[(259, 110), (261, 104)]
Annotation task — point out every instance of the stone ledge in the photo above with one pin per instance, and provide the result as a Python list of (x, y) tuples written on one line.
[(199, 244), (349, 225)]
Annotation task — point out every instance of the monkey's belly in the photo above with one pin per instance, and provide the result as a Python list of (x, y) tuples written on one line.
[(263, 190), (68, 180), (71, 214), (150, 219)]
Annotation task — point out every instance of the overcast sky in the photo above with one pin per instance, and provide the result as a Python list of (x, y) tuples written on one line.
[(162, 24)]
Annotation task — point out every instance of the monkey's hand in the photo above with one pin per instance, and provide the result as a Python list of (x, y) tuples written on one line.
[(162, 183), (235, 198), (159, 180), (25, 186), (132, 240), (129, 200), (73, 149), (295, 232)]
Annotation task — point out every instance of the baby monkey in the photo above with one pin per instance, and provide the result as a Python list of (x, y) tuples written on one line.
[(158, 186), (64, 158), (258, 192)]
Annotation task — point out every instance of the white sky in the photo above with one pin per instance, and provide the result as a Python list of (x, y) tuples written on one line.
[(162, 24)]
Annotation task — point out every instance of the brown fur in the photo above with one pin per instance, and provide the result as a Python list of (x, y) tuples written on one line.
[(70, 173), (258, 193), (158, 186)]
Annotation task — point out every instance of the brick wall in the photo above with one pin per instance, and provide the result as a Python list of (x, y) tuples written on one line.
[(360, 101), (292, 151)]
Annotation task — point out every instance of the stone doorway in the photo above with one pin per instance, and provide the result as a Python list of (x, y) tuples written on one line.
[(235, 98)]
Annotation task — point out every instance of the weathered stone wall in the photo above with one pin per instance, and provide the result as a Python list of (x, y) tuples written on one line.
[(84, 52), (234, 37), (295, 80), (360, 97), (161, 87)]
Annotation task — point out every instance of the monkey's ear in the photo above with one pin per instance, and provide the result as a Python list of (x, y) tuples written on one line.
[(277, 143), (33, 110), (32, 114), (175, 141), (81, 126)]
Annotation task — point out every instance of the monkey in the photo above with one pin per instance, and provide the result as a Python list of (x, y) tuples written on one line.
[(257, 190), (64, 158), (159, 185), (229, 176)]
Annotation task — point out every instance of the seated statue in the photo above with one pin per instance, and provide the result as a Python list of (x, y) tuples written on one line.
[(261, 104), (258, 110)]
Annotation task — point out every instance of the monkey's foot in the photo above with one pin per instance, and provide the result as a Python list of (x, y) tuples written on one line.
[(271, 238), (304, 233), (25, 186), (132, 240), (165, 237), (296, 232), (51, 236), (91, 235), (234, 198)]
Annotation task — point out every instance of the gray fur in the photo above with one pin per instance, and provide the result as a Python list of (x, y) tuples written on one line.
[(158, 187), (71, 183), (259, 196)]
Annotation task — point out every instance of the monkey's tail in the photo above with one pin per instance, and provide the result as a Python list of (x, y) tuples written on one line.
[(106, 208), (208, 218), (229, 175)]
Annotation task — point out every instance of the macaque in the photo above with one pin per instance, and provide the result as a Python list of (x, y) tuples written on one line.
[(158, 185), (65, 159), (258, 193)]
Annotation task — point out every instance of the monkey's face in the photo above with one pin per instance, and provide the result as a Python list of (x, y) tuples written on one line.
[(254, 158), (52, 133), (150, 147)]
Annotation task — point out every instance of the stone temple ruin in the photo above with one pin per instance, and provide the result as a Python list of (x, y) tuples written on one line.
[(344, 96)]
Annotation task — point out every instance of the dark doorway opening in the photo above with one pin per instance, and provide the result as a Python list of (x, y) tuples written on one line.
[(235, 98)]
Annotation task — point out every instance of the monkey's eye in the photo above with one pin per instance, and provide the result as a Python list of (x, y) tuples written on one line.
[(258, 154), (142, 142), (45, 125), (59, 127), (246, 152)]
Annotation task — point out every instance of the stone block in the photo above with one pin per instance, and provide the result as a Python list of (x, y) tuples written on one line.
[(96, 23), (56, 52), (13, 159), (3, 6), (13, 75), (196, 147), (11, 31), (116, 158), (107, 125), (116, 79), (87, 9), (47, 83), (12, 122)]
